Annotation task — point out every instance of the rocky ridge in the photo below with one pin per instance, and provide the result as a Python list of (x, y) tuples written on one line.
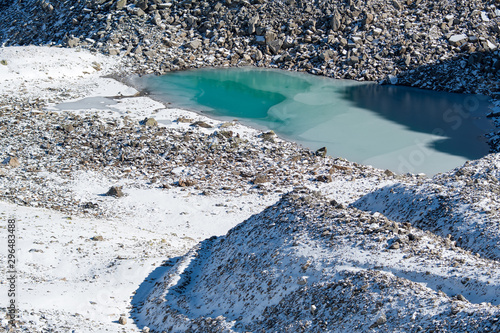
[(307, 265), (443, 45), (463, 199)]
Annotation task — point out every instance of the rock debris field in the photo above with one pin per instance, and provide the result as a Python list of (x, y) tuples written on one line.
[(442, 45), (136, 217)]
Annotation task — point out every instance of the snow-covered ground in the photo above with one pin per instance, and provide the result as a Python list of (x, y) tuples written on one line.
[(65, 278), (145, 256)]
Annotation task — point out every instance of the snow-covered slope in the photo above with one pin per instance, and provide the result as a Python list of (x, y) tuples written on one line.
[(462, 205), (304, 265)]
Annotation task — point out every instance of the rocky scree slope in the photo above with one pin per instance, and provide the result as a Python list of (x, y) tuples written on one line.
[(307, 265), (461, 205), (444, 45)]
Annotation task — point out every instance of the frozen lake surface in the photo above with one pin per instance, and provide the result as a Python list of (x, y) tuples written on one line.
[(397, 128)]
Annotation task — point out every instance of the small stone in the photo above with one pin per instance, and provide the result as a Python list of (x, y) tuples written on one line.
[(301, 281), (369, 19), (268, 136), (73, 41), (336, 205), (68, 128), (260, 179), (187, 182), (484, 17), (324, 178), (352, 61), (145, 329), (149, 122), (306, 265), (392, 79), (458, 40), (461, 297), (142, 4), (312, 309), (327, 55), (252, 23), (184, 120), (115, 191), (139, 12), (336, 21), (3, 62), (12, 161), (194, 44), (377, 31), (321, 152), (122, 320), (394, 246), (90, 205), (201, 124), (380, 321), (97, 238), (275, 45), (258, 55), (120, 4), (389, 173)]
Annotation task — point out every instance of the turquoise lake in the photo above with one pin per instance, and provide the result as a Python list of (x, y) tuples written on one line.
[(390, 127)]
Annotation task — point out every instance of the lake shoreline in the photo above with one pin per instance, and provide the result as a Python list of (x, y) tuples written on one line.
[(457, 114)]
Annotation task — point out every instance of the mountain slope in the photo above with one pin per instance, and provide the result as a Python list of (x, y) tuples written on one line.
[(444, 45), (304, 265), (461, 205)]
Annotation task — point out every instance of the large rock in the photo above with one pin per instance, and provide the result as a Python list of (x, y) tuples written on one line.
[(327, 55), (149, 122), (194, 44), (275, 46), (73, 41), (120, 4), (12, 162), (458, 40), (321, 152), (270, 36), (252, 23), (115, 191), (336, 21)]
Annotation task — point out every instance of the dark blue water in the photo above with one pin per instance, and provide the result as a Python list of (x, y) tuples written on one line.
[(398, 128)]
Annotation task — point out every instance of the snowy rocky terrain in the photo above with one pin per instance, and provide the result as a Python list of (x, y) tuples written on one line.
[(340, 247), (306, 265), (448, 44), (216, 227)]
